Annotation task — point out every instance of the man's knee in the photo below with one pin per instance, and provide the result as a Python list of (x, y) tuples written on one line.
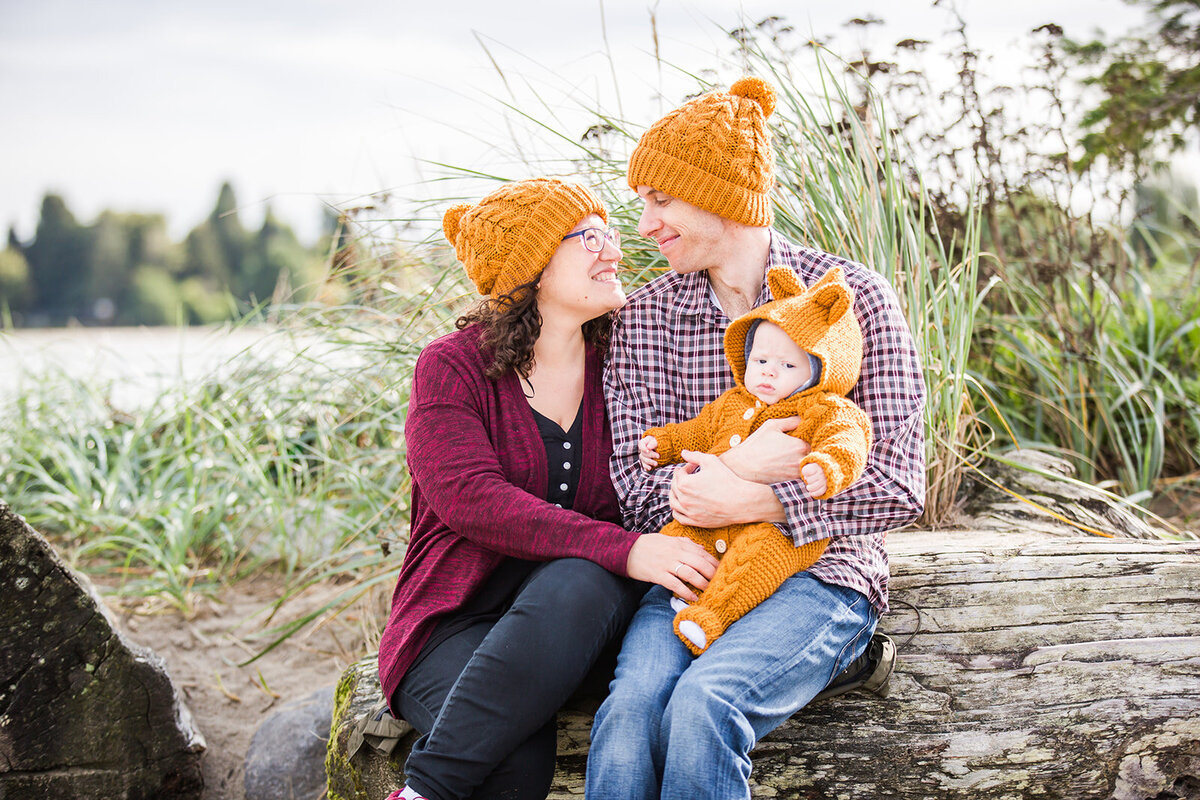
[(700, 720), (625, 730), (704, 703)]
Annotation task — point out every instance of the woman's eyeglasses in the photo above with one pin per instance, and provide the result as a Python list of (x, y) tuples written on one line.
[(593, 238)]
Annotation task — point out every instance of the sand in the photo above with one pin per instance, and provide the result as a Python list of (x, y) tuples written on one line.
[(204, 652)]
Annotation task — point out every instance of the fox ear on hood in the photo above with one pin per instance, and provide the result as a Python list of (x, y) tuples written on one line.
[(832, 295), (833, 300), (783, 282)]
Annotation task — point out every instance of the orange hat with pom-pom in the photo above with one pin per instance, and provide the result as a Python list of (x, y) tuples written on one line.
[(508, 237), (714, 152)]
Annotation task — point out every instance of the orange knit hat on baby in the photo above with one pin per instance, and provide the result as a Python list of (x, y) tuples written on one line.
[(508, 237), (714, 152)]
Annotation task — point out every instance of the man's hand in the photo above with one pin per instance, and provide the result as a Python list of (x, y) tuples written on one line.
[(768, 455), (707, 494)]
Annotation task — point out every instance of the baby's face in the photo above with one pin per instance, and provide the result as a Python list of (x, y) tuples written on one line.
[(776, 366)]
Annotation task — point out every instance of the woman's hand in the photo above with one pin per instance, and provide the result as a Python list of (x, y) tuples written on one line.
[(669, 561)]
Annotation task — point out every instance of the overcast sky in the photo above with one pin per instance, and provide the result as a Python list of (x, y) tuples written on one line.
[(148, 105)]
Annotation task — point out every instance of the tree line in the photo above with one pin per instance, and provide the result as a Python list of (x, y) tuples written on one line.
[(124, 269)]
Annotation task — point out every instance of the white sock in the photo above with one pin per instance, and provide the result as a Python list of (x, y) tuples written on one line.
[(694, 633)]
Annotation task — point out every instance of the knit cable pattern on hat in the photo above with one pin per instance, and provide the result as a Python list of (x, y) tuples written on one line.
[(508, 237), (714, 152)]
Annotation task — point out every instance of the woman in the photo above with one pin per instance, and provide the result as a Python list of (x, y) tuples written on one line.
[(516, 574)]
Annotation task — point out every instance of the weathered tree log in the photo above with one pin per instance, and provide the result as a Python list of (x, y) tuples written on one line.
[(1031, 665), (83, 712), (1038, 494)]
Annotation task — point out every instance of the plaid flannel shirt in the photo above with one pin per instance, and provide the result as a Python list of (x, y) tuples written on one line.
[(667, 360)]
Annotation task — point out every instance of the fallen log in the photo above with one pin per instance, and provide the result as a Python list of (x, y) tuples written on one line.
[(1031, 665)]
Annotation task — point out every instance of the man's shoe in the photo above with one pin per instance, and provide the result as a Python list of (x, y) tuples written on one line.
[(869, 672)]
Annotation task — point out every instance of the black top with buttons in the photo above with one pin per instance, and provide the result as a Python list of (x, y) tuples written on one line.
[(496, 596), (562, 458)]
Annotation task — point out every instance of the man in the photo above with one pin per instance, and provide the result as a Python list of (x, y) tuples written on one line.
[(675, 726)]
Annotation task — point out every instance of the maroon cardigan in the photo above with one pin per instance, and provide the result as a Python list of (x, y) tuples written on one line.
[(479, 473)]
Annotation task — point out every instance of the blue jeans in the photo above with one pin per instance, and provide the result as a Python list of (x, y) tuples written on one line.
[(676, 727)]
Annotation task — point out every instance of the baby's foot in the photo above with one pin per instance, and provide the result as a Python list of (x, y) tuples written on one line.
[(694, 634), (698, 627), (678, 604)]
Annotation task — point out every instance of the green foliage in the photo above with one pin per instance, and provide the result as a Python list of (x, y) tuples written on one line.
[(58, 259), (1084, 349), (16, 288), (1150, 87), (203, 305), (124, 269), (153, 297)]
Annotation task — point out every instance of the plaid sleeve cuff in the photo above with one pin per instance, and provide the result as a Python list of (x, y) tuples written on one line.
[(804, 520)]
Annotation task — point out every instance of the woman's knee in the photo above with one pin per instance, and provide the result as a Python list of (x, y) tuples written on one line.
[(577, 586)]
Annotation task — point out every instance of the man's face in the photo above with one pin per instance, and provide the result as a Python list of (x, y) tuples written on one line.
[(690, 238)]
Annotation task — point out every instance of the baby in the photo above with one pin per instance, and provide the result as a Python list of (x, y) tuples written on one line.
[(797, 356)]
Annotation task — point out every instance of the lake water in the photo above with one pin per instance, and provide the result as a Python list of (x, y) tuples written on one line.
[(138, 363)]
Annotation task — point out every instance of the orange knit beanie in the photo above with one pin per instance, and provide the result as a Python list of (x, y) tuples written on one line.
[(714, 152), (508, 237)]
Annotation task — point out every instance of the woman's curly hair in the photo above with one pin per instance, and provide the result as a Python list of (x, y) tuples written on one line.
[(511, 324)]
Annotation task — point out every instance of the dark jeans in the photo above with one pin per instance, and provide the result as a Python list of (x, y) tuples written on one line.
[(485, 699)]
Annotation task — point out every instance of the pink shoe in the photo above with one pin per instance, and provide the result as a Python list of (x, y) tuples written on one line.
[(405, 794)]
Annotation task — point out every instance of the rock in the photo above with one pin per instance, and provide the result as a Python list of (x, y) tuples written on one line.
[(287, 754), (83, 712), (369, 774)]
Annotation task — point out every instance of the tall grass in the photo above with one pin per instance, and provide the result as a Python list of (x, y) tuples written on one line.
[(1103, 370), (852, 193), (268, 462)]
